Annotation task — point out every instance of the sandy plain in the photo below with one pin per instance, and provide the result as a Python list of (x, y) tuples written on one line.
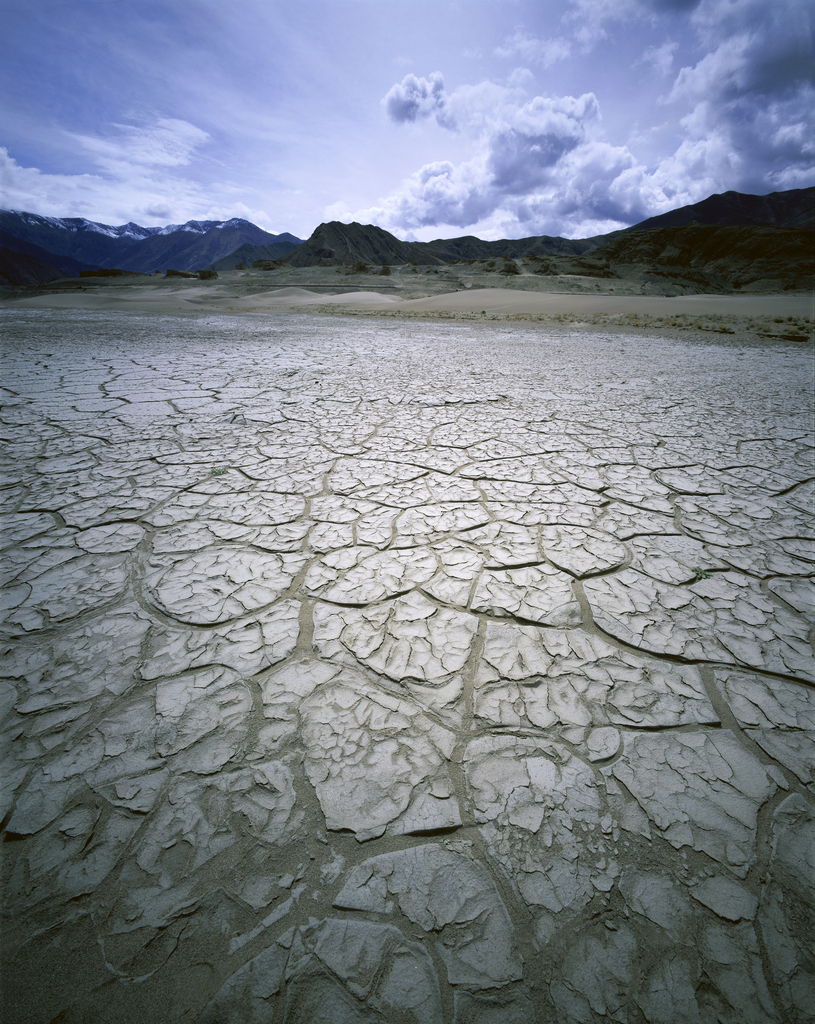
[(365, 669), (454, 291)]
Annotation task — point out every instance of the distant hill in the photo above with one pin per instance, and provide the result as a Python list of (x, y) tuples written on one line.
[(792, 209), (247, 254), (189, 246), (220, 245), (334, 242), (471, 248), (67, 265), (17, 268), (185, 251), (716, 256)]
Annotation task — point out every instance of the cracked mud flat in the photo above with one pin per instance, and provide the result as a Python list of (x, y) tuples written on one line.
[(405, 672)]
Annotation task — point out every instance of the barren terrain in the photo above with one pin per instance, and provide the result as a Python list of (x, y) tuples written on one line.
[(382, 669), (460, 291)]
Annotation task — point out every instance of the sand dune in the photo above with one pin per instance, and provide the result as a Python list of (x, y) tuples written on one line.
[(504, 300), (159, 297), (788, 316)]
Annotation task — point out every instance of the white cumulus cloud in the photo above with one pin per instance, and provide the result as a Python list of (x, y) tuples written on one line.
[(744, 117), (414, 99), (539, 166)]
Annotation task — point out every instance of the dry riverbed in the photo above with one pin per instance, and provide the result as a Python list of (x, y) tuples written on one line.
[(378, 669), (453, 292)]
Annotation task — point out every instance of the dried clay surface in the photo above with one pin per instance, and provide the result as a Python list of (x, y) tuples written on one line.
[(412, 673)]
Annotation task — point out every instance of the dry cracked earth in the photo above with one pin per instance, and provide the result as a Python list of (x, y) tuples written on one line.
[(415, 673)]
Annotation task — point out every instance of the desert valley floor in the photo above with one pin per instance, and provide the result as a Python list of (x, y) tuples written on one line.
[(402, 671)]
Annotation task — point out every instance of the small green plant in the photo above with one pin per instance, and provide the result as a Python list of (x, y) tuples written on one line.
[(218, 471), (700, 573)]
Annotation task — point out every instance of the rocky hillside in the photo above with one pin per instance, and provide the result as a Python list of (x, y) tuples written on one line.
[(19, 269), (697, 257), (469, 247), (334, 243), (66, 265), (794, 208), (247, 254)]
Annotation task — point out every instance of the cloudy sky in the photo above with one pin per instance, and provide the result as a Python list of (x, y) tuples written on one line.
[(431, 118)]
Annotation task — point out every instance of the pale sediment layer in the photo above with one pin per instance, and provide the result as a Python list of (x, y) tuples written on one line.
[(769, 316), (370, 671), (548, 300)]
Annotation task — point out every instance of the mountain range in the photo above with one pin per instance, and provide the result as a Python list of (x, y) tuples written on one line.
[(794, 208), (73, 244), (698, 258), (34, 246), (334, 242)]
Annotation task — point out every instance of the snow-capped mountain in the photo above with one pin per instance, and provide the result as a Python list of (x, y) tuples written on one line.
[(76, 224), (130, 246), (198, 227)]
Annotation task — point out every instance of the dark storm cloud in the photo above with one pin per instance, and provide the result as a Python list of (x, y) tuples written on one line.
[(755, 89), (521, 148), (523, 152), (673, 5), (767, 51), (519, 161)]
